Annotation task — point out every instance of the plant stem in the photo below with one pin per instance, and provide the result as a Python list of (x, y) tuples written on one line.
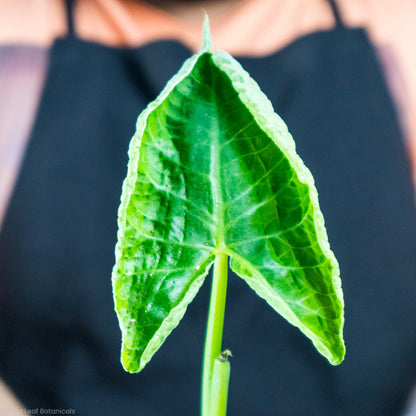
[(219, 384), (215, 325)]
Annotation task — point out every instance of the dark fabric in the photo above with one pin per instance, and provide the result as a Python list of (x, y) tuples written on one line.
[(335, 11), (60, 340), (69, 6)]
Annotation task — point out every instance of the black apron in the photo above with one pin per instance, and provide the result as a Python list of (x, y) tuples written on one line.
[(60, 341)]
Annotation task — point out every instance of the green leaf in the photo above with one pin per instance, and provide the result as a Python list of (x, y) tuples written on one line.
[(207, 45), (213, 169)]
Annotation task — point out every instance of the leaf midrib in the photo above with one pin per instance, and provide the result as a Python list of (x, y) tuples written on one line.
[(215, 175)]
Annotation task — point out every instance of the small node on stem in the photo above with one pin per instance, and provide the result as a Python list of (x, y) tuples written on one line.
[(225, 355)]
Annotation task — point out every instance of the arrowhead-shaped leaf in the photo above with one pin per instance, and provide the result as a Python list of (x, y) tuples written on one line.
[(213, 168)]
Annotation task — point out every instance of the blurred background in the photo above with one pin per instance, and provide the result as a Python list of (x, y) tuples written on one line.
[(74, 75)]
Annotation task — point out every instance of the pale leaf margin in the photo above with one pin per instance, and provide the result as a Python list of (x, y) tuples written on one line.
[(176, 313), (269, 121), (261, 109)]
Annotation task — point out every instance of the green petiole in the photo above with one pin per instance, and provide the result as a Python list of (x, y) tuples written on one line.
[(215, 325), (219, 384)]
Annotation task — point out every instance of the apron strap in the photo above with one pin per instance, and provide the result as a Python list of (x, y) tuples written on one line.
[(69, 11), (336, 13)]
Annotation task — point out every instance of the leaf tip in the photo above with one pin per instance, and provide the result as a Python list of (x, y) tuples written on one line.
[(130, 360), (207, 44), (337, 356)]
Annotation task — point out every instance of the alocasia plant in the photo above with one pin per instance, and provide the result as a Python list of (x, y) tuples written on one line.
[(213, 174)]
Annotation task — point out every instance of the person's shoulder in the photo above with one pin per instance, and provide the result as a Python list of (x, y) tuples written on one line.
[(31, 22), (111, 22)]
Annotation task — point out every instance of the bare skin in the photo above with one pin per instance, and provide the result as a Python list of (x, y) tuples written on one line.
[(9, 405), (190, 10)]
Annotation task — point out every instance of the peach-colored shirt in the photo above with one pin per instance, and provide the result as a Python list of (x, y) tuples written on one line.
[(242, 27)]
